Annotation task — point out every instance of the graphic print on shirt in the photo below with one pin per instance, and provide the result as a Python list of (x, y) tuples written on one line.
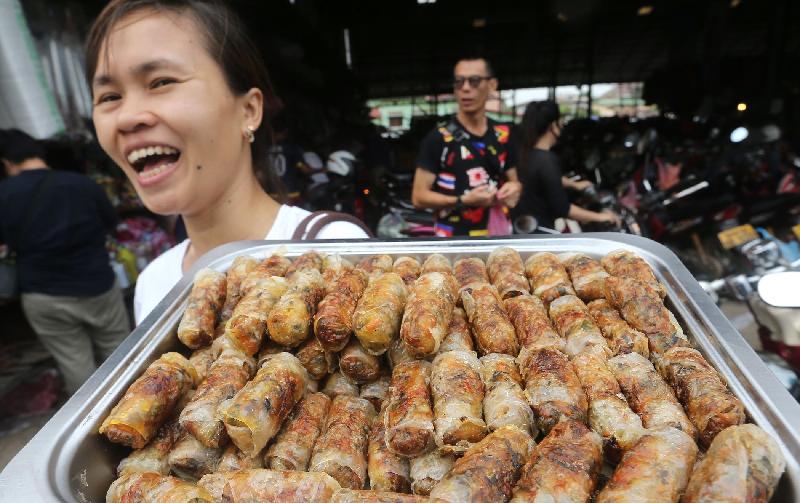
[(466, 154), (477, 176), (446, 181)]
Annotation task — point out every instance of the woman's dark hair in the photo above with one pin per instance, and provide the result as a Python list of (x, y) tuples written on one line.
[(537, 118), (17, 146), (230, 46)]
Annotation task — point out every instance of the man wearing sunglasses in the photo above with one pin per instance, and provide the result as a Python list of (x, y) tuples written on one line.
[(468, 166)]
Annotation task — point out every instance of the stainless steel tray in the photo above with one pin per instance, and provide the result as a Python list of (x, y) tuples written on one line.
[(68, 461)]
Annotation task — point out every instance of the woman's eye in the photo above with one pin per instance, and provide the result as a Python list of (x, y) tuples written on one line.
[(107, 97), (161, 82)]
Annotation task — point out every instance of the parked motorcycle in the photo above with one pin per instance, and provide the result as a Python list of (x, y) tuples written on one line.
[(399, 216)]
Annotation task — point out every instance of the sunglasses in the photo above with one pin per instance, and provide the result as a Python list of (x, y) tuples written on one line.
[(474, 81)]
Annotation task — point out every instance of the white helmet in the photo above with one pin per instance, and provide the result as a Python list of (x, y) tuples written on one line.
[(341, 163)]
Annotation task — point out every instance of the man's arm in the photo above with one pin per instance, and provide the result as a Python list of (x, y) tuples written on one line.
[(423, 197)]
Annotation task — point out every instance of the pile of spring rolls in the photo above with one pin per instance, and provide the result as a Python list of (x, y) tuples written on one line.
[(405, 380)]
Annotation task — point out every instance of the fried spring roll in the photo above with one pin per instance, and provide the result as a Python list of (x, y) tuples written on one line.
[(289, 321), (563, 467), (428, 312), (409, 418), (198, 324), (533, 326), (341, 450), (507, 273), (233, 459), (743, 464), (254, 415), (377, 317), (701, 390), (498, 458), (333, 321), (621, 337), (363, 496), (357, 364), (242, 266), (470, 270), (573, 321), (256, 485), (190, 459), (491, 327), (437, 263), (269, 348), (587, 275), (552, 389), (648, 394), (339, 384), (333, 266), (245, 330), (459, 335), (154, 456), (387, 470), (201, 359), (398, 353), (609, 413), (655, 470), (457, 390), (376, 392), (149, 401), (376, 265), (225, 378), (428, 470), (549, 280), (625, 264), (147, 487), (274, 265), (504, 402), (317, 361), (307, 261), (408, 268), (293, 445)]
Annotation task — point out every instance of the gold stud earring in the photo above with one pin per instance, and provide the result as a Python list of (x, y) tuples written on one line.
[(250, 134)]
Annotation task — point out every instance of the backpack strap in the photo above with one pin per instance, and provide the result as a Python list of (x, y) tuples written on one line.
[(306, 230)]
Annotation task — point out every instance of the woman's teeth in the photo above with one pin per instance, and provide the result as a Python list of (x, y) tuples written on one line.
[(141, 153), (150, 173)]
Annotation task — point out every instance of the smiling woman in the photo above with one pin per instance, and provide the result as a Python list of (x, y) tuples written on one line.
[(181, 98)]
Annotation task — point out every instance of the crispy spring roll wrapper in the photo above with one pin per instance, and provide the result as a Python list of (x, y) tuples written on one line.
[(398, 353), (625, 264), (609, 413), (317, 361), (409, 418), (387, 470), (743, 464), (333, 266), (376, 392), (552, 389), (149, 401), (357, 364), (242, 266), (364, 496), (233, 459), (269, 348), (408, 268), (648, 394), (504, 402), (641, 306), (376, 265), (491, 327), (549, 280), (459, 335), (488, 470), (198, 324), (507, 273), (153, 456), (587, 275), (254, 415), (152, 487), (437, 263), (428, 312), (308, 260), (339, 384), (655, 470), (333, 321), (429, 469), (341, 449), (701, 390), (245, 330), (470, 270), (261, 485), (228, 374), (274, 265), (621, 337), (457, 391), (190, 459), (201, 359), (377, 317), (573, 321), (563, 467), (534, 329), (292, 447), (289, 321)]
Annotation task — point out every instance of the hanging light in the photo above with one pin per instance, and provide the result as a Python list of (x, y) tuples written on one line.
[(741, 107), (645, 10)]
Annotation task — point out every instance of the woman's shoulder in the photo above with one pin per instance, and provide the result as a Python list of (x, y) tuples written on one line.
[(290, 217)]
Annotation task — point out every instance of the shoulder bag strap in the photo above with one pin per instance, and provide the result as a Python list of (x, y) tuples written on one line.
[(306, 230)]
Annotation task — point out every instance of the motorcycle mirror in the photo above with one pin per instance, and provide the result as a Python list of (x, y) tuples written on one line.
[(525, 224), (739, 134), (780, 289)]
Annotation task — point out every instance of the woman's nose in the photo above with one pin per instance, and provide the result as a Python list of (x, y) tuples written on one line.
[(135, 115)]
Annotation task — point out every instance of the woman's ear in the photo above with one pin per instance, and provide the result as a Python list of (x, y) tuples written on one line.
[(253, 108)]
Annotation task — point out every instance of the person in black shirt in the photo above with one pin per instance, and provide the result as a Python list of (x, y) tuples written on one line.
[(543, 195), (461, 165), (56, 222)]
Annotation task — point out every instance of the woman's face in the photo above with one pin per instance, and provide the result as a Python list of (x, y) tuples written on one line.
[(165, 114)]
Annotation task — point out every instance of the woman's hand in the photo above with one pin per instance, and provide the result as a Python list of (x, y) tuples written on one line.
[(480, 196), (510, 193)]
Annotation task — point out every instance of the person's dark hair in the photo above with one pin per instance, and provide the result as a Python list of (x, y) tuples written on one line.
[(17, 146), (477, 57), (537, 118), (230, 46)]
